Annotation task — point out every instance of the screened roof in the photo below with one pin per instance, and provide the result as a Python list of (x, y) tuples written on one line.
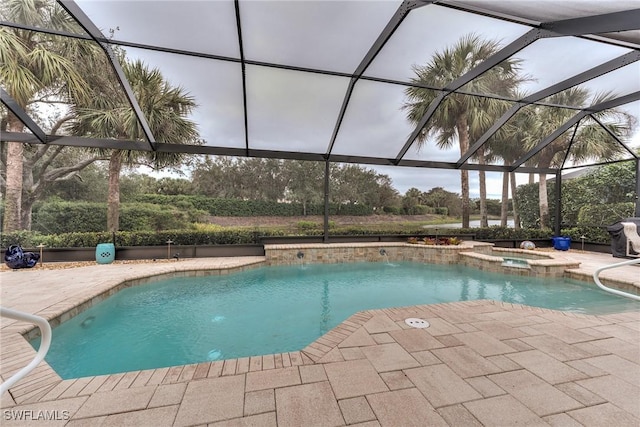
[(327, 80)]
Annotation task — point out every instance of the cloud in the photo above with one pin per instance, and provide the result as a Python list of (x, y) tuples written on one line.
[(297, 111)]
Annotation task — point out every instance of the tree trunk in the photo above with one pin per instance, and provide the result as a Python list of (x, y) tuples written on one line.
[(516, 215), (544, 202), (27, 213), (13, 198), (466, 206), (113, 199), (482, 182), (27, 193), (544, 161), (13, 195), (504, 202), (463, 138)]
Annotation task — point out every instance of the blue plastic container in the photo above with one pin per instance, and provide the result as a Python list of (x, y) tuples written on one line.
[(105, 253), (561, 243)]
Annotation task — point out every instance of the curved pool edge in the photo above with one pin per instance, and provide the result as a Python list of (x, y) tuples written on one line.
[(78, 289), (380, 336), (85, 285)]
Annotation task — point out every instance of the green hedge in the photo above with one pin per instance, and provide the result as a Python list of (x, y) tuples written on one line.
[(416, 210), (394, 210), (594, 219), (240, 235), (64, 217), (238, 207), (441, 211), (593, 234), (419, 210), (507, 233), (605, 214), (61, 217), (136, 238)]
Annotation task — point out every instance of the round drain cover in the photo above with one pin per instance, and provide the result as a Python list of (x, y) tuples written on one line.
[(416, 323)]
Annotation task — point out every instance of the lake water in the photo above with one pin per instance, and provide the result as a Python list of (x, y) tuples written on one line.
[(475, 223)]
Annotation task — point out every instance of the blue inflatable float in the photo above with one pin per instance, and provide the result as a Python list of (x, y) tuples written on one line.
[(16, 258)]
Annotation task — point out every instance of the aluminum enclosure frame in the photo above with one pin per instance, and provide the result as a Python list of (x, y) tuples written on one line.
[(590, 27)]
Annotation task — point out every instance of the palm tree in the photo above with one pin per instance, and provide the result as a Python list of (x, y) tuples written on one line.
[(33, 66), (591, 141), (461, 117), (508, 143), (165, 107)]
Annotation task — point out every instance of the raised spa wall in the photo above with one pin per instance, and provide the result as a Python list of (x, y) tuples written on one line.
[(480, 255)]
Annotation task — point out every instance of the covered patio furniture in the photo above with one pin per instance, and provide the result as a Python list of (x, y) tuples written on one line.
[(633, 239)]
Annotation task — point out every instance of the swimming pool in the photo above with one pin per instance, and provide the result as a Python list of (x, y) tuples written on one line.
[(278, 309)]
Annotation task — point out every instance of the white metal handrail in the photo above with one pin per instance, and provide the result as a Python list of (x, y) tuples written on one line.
[(45, 331), (615, 291)]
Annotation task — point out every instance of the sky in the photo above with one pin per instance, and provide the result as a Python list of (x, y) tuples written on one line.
[(297, 111)]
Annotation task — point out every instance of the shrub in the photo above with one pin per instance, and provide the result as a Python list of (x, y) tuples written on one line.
[(307, 225), (591, 234), (66, 217), (419, 210), (394, 210), (453, 241), (215, 235), (61, 217), (504, 233), (149, 217), (27, 239), (348, 209), (606, 214), (238, 207), (442, 211)]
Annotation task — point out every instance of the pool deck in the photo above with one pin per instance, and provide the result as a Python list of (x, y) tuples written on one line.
[(479, 363)]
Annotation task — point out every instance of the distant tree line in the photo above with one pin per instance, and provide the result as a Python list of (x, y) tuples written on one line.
[(292, 181), (245, 179), (273, 180)]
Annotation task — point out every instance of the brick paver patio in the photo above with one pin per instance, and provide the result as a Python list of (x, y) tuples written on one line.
[(480, 363)]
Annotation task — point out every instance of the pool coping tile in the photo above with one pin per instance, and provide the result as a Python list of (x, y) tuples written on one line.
[(594, 350)]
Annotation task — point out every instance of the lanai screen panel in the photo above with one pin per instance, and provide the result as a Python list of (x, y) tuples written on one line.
[(547, 10), (446, 147), (430, 151), (549, 61), (603, 148), (276, 75), (292, 111), (623, 81), (191, 25), (216, 87), (633, 109), (375, 123), (58, 20), (431, 29), (324, 35)]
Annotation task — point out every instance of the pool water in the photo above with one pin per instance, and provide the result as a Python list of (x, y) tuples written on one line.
[(278, 309)]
